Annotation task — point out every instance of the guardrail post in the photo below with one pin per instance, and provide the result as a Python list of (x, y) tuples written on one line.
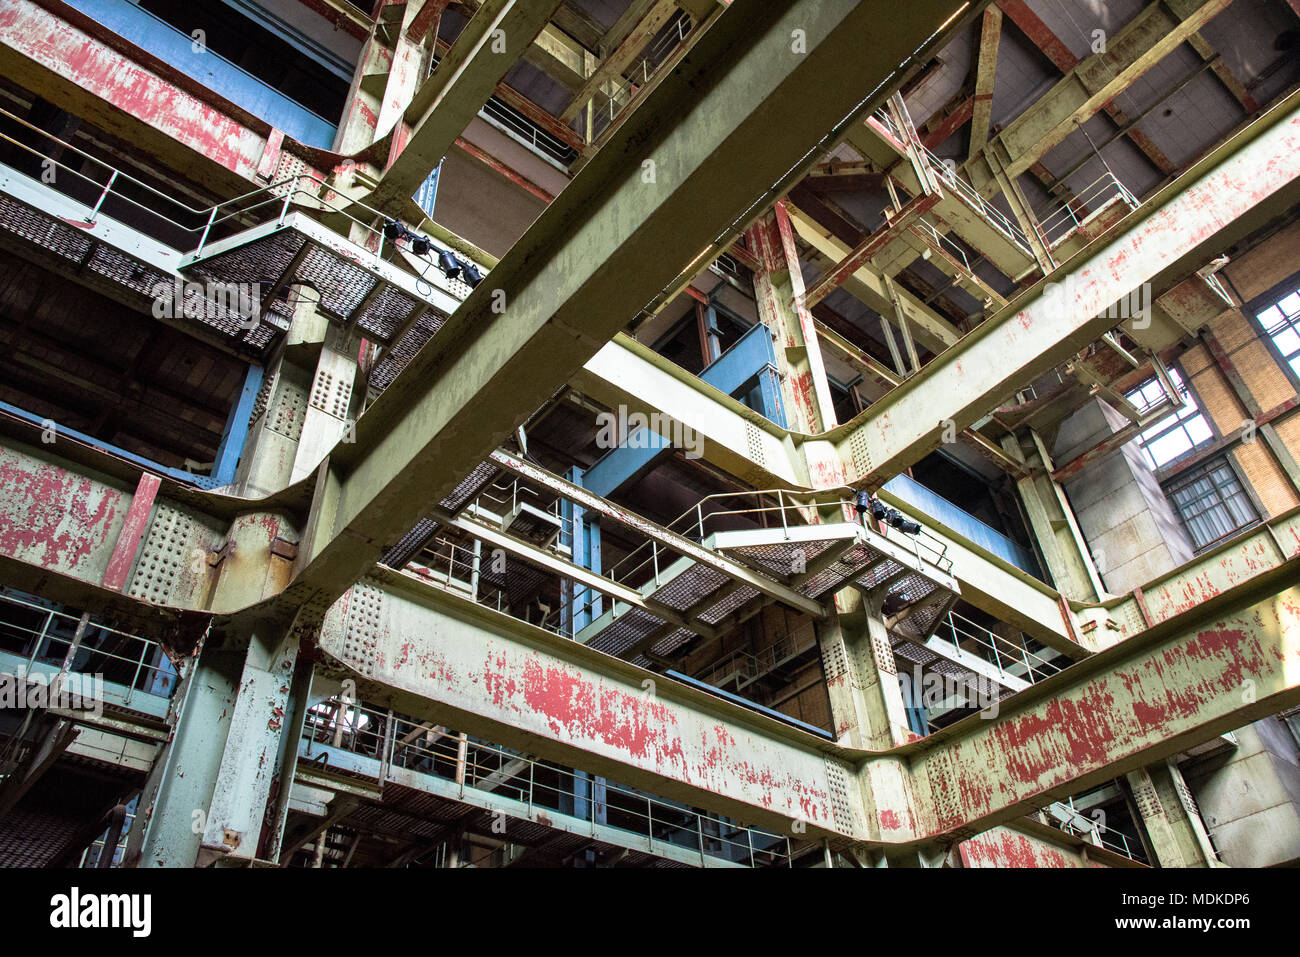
[(108, 187)]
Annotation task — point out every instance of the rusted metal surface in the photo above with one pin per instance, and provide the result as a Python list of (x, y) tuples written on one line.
[(133, 529), (1235, 187), (1138, 702), (1005, 847), (896, 225), (120, 94), (57, 519), (468, 667)]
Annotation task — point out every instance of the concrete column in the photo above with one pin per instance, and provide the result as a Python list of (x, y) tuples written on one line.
[(779, 292), (1175, 831), (305, 403), (867, 708), (1052, 520)]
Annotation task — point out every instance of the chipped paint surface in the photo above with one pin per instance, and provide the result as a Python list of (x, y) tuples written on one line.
[(959, 384), (107, 75), (570, 706), (57, 519), (1002, 847), (1210, 680)]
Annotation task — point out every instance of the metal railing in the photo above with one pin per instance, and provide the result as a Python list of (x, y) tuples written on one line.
[(963, 189), (1108, 838), (44, 633), (1006, 654), (620, 91), (653, 558), (748, 666), (502, 113), (1062, 221), (398, 741), (273, 201)]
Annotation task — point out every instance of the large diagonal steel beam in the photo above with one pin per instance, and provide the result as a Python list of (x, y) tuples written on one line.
[(650, 206), (1248, 180), (491, 43), (1142, 701)]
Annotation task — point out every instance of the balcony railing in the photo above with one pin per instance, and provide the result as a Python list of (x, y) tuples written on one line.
[(397, 741)]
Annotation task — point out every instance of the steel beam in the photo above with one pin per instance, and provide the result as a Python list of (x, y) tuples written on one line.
[(438, 657), (1224, 197), (627, 227), (494, 39), (1146, 699), (1096, 81)]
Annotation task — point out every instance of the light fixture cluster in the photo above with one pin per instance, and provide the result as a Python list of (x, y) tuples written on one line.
[(451, 266), (865, 504)]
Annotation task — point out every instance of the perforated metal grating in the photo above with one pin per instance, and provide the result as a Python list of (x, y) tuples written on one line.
[(348, 292), (692, 585), (625, 631), (23, 225)]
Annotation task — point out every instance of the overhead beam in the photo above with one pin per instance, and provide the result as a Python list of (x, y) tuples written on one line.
[(985, 75), (1226, 196), (612, 67), (1144, 700), (443, 658), (1094, 83), (489, 45), (625, 229), (931, 330)]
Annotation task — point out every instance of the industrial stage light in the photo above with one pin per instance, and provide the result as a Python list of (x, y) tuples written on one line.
[(393, 229), (862, 502), (420, 245), (895, 519), (471, 275), (449, 263)]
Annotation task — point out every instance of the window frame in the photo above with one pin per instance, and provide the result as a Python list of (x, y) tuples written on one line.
[(1175, 420), (1204, 471), (1261, 304)]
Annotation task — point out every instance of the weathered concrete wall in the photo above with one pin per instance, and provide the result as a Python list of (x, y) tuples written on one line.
[(1131, 528), (1250, 798)]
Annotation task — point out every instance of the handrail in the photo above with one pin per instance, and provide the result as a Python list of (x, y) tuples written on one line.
[(208, 214), (1065, 217), (397, 740)]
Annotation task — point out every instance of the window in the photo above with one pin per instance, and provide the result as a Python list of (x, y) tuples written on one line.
[(1212, 503), (1282, 323), (1177, 433)]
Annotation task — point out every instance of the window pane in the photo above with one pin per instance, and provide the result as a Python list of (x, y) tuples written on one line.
[(1270, 317), (1288, 341), (1169, 447), (1199, 430), (1212, 503)]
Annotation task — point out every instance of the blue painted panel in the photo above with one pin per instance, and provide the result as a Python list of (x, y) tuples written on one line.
[(215, 72), (581, 533), (202, 481), (236, 433), (963, 523), (427, 195), (618, 466), (750, 360)]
